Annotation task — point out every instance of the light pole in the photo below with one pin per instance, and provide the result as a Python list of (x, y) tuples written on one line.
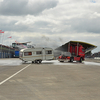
[(1, 42), (9, 46)]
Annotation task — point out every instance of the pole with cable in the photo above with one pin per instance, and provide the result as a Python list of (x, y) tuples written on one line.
[(9, 46), (1, 42)]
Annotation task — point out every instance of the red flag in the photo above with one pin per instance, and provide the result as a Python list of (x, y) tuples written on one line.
[(1, 32), (10, 37)]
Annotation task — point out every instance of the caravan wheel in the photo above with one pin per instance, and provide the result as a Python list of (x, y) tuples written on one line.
[(32, 61), (35, 61), (38, 61)]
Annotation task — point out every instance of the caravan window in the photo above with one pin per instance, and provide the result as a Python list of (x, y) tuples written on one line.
[(38, 52), (27, 53), (49, 52), (33, 52)]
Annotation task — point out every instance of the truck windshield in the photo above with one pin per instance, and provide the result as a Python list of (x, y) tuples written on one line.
[(83, 50)]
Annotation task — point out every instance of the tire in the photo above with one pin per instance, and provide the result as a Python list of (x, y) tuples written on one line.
[(35, 61), (40, 61), (81, 60), (61, 61), (71, 59), (32, 61)]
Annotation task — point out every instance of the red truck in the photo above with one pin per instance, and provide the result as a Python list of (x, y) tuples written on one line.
[(75, 51)]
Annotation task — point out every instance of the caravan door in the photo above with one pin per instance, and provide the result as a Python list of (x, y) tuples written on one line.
[(49, 54)]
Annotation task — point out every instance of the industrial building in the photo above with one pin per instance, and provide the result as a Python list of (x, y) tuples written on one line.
[(17, 46), (11, 52), (6, 52), (97, 54)]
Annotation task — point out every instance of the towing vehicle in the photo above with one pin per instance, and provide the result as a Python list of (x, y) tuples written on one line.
[(74, 51)]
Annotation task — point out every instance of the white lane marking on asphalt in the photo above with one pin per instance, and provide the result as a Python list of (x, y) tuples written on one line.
[(14, 74)]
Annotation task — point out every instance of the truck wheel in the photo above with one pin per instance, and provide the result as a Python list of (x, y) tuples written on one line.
[(61, 61), (81, 60), (71, 59)]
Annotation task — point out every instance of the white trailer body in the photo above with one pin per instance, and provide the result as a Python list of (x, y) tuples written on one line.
[(36, 54)]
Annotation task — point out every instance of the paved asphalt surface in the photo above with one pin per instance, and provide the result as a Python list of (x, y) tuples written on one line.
[(50, 80)]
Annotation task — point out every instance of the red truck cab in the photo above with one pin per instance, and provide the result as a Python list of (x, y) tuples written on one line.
[(77, 53)]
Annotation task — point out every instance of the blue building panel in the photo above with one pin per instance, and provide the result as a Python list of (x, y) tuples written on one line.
[(16, 53)]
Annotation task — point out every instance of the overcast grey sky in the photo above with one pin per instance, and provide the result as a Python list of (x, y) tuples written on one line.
[(50, 22)]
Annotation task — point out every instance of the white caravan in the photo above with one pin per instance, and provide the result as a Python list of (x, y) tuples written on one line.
[(36, 55)]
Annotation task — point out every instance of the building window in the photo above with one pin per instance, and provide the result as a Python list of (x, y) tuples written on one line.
[(38, 52), (48, 52), (27, 53)]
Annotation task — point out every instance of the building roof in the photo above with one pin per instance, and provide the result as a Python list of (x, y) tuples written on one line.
[(88, 47)]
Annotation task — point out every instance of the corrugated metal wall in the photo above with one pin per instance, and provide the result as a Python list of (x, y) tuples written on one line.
[(6, 52)]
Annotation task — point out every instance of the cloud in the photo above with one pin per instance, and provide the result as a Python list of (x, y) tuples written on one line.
[(86, 25), (50, 22), (24, 7), (93, 1), (64, 18)]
